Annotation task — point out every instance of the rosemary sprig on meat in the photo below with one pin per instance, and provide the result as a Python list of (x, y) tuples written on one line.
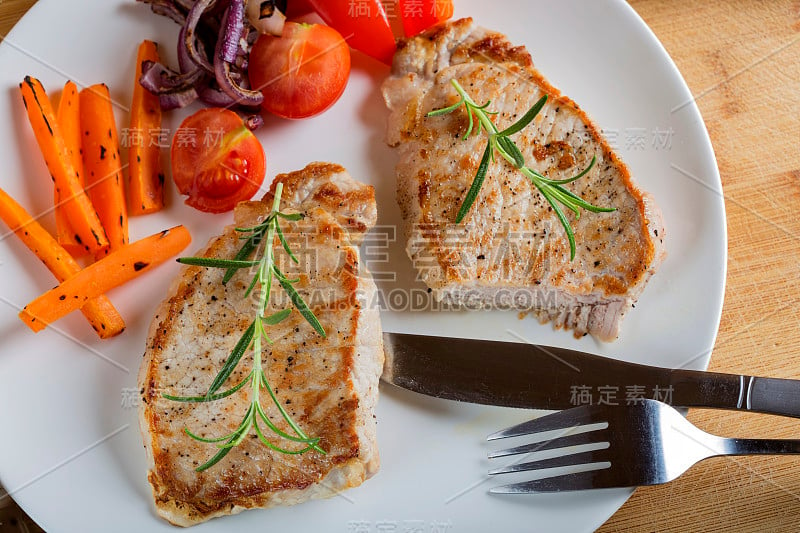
[(257, 238), (500, 141)]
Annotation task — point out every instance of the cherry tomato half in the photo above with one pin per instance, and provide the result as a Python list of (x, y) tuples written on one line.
[(302, 72), (216, 160), (418, 16), (363, 23)]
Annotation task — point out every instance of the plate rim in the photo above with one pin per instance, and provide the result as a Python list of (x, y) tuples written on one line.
[(39, 7)]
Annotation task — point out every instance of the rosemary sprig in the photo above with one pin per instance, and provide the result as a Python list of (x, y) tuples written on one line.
[(259, 237), (499, 141)]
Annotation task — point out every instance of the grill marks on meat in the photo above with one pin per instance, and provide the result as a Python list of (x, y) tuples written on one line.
[(329, 386), (511, 251)]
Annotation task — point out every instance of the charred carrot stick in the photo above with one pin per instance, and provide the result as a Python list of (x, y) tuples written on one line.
[(99, 311), (88, 229), (68, 119), (113, 270), (146, 182), (101, 163)]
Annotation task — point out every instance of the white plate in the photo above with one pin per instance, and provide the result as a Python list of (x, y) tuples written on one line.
[(71, 451)]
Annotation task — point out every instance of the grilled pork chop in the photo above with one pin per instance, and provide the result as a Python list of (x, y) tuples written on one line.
[(328, 385), (510, 251)]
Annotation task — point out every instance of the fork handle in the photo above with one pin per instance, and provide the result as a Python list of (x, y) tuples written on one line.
[(760, 447), (775, 396)]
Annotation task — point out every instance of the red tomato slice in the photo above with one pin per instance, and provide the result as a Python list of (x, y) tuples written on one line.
[(216, 160), (419, 15), (362, 23), (302, 72)]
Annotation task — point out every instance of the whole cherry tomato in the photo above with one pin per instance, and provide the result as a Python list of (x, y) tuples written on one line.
[(302, 72)]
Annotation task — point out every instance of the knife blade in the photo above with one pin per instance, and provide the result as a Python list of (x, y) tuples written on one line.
[(522, 375)]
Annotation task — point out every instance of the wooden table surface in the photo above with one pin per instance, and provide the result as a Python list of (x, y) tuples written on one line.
[(741, 60)]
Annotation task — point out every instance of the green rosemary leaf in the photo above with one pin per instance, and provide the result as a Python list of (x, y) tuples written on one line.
[(278, 317), (239, 437), (251, 286), (253, 229), (280, 275), (291, 216), (299, 303), (445, 110), (241, 431), (511, 149), (577, 177), (596, 209), (244, 252), (286, 416), (213, 262), (526, 119), (475, 188), (214, 460), (284, 243), (565, 200), (267, 443), (264, 333), (562, 218), (233, 359), (471, 124), (581, 202), (207, 398), (211, 441), (275, 429)]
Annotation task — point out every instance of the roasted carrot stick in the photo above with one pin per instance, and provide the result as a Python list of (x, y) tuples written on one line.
[(146, 184), (69, 122), (102, 166), (98, 278), (99, 311), (88, 229)]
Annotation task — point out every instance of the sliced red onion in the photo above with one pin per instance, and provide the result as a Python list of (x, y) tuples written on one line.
[(231, 32), (185, 4), (222, 68), (243, 54), (173, 10), (190, 29), (169, 11), (177, 99), (219, 79), (159, 79), (185, 62), (217, 10), (214, 97)]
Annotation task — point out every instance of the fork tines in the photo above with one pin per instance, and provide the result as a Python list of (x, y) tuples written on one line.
[(577, 438)]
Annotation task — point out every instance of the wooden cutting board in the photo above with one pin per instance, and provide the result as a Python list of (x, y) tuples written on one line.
[(741, 60)]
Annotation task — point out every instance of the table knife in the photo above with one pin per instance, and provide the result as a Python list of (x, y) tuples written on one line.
[(530, 376)]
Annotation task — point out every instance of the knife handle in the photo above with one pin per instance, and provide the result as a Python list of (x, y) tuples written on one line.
[(774, 396)]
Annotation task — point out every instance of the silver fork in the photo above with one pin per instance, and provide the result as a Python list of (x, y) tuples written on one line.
[(644, 444)]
